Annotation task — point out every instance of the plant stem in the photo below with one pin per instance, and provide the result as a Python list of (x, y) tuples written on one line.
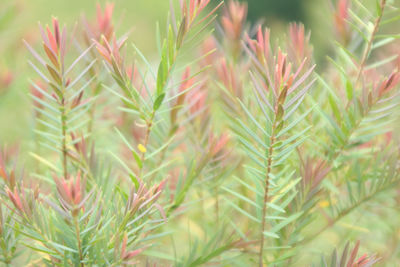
[(370, 41), (146, 141), (368, 47), (266, 189), (172, 131), (78, 239), (349, 210)]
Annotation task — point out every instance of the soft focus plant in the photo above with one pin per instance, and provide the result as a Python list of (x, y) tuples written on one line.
[(233, 148)]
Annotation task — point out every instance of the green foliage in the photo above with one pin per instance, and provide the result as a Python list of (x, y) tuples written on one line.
[(228, 149)]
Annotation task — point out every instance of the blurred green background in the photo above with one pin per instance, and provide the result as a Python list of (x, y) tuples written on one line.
[(19, 20)]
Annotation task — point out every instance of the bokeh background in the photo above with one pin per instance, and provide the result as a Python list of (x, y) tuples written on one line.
[(19, 20)]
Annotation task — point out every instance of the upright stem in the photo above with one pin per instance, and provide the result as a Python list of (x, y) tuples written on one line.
[(146, 141), (164, 151), (370, 41), (78, 238), (63, 86), (266, 189)]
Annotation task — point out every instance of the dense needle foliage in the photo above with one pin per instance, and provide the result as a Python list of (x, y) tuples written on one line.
[(232, 148)]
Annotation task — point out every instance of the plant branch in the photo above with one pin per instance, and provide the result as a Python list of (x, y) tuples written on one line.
[(371, 40), (266, 189), (78, 239), (349, 210), (149, 124)]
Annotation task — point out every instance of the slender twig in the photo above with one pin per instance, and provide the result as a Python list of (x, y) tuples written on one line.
[(367, 49), (78, 239), (149, 125), (63, 86), (342, 148), (266, 189), (347, 211), (172, 131), (371, 40)]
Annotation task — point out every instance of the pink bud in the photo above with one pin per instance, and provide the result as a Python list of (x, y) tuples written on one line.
[(104, 21), (389, 83), (52, 41), (233, 19), (219, 144), (15, 199), (131, 254)]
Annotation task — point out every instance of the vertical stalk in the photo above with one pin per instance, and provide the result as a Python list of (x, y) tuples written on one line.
[(266, 189), (369, 46), (371, 40), (149, 124), (78, 239), (172, 131)]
